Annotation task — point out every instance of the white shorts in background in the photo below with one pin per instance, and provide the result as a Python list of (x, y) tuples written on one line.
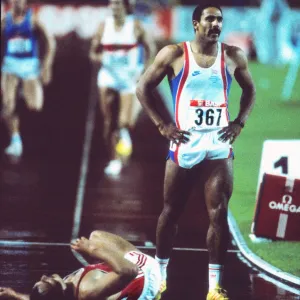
[(24, 68), (203, 145), (118, 79)]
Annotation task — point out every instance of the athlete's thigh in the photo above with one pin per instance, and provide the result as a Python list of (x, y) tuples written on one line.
[(218, 181), (178, 184), (33, 93), (9, 85), (126, 109)]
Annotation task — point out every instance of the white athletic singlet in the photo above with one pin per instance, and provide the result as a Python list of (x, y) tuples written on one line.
[(200, 97), (122, 59)]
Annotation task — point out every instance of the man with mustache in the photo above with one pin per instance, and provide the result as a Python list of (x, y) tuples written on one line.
[(199, 73)]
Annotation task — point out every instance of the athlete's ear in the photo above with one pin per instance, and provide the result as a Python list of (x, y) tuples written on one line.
[(195, 24)]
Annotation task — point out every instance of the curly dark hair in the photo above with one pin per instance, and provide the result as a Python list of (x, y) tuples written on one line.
[(204, 4), (50, 294)]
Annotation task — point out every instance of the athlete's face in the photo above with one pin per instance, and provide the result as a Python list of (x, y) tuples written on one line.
[(50, 284), (117, 7), (18, 5), (210, 25)]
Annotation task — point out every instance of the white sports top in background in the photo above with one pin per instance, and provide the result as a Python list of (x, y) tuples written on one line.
[(120, 48)]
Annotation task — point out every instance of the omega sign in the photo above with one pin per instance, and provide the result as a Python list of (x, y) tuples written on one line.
[(286, 205)]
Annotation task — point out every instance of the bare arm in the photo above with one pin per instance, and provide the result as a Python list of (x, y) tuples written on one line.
[(147, 41), (95, 53), (123, 270), (244, 79), (49, 42), (8, 293), (2, 36), (161, 67), (48, 39), (238, 59)]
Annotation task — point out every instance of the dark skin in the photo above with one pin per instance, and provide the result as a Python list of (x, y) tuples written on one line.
[(214, 176)]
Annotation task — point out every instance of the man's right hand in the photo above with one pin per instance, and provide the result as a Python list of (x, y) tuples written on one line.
[(172, 133)]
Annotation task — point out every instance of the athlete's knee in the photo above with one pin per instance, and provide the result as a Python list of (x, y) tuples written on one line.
[(218, 214), (171, 213), (34, 105), (124, 122), (35, 108)]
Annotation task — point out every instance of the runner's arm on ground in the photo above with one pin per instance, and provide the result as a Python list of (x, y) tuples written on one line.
[(95, 53), (123, 273), (8, 293)]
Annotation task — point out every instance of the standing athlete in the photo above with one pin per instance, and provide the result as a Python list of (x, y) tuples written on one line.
[(119, 46), (121, 272), (199, 73), (21, 35)]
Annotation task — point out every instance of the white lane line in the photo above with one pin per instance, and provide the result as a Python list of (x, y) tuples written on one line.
[(89, 128), (255, 259), (5, 243)]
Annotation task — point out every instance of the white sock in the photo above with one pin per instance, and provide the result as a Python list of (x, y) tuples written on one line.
[(124, 135), (215, 273), (15, 138), (163, 264)]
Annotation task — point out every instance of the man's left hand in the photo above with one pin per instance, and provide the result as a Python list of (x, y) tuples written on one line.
[(46, 74), (230, 133)]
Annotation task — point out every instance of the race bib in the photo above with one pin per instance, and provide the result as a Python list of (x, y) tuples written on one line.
[(204, 114), (119, 59), (19, 45)]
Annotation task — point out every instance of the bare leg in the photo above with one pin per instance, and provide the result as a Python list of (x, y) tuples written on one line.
[(33, 93), (218, 190), (136, 109), (177, 187), (107, 98), (9, 85), (112, 241), (124, 146)]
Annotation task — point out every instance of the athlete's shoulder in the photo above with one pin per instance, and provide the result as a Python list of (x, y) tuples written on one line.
[(236, 55), (168, 55), (175, 50)]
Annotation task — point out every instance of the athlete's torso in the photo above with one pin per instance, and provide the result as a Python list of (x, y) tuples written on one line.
[(120, 47), (200, 95), (19, 38), (132, 291)]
